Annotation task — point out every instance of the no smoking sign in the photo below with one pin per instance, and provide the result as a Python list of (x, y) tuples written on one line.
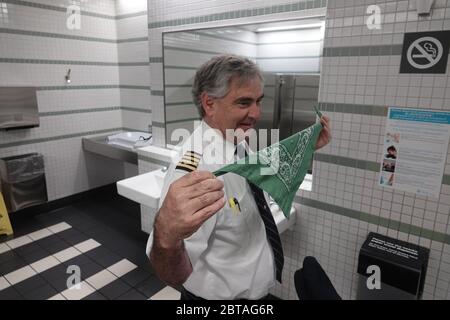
[(425, 52)]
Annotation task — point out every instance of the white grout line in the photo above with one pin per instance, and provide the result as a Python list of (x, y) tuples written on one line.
[(46, 263), (96, 281), (33, 236), (167, 293)]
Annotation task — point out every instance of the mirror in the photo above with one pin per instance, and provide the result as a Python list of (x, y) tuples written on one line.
[(288, 53)]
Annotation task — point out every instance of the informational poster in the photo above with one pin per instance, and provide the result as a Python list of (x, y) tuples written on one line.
[(415, 150)]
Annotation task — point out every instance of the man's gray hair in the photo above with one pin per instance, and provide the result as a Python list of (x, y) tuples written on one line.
[(214, 76)]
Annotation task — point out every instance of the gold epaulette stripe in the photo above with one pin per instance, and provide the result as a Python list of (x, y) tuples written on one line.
[(194, 154), (189, 163), (189, 158), (185, 167)]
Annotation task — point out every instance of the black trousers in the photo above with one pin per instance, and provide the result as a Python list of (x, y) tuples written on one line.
[(186, 295)]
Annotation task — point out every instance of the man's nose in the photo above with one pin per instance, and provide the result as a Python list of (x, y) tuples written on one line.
[(255, 111)]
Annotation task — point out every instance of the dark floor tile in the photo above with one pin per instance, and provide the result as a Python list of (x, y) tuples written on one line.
[(58, 283), (30, 284), (7, 256), (69, 233), (114, 289), (77, 239), (132, 295), (95, 296), (42, 293), (78, 260), (44, 242), (90, 269), (150, 286), (35, 256), (107, 260), (136, 276), (12, 265), (56, 246), (27, 249), (10, 294)]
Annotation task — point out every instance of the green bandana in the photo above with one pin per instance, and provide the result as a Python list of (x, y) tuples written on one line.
[(280, 168)]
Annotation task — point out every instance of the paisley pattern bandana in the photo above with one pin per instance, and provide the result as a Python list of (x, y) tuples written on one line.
[(280, 168)]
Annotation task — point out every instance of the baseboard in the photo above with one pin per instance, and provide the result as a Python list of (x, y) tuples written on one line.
[(59, 203)]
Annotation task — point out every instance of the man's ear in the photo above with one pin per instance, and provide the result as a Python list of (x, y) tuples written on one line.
[(208, 104)]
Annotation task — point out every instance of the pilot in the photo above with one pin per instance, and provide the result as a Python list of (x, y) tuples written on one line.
[(215, 238)]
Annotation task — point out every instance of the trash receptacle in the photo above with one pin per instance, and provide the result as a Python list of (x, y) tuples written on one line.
[(398, 266), (23, 181)]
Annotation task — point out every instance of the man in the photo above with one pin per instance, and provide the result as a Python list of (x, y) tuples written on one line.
[(209, 236)]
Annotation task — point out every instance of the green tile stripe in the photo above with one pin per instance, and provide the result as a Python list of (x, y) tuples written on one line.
[(61, 137), (136, 109), (372, 110), (77, 111), (298, 6), (358, 164), (152, 160), (292, 57), (375, 50), (64, 9), (180, 67), (88, 110), (183, 120), (90, 87), (181, 103), (191, 50), (56, 8), (124, 86), (198, 51), (139, 39), (130, 15), (155, 60), (68, 36), (178, 86), (221, 37), (72, 62), (372, 219), (159, 93), (158, 124), (216, 36)]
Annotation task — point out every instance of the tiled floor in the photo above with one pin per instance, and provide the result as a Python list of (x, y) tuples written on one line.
[(99, 236)]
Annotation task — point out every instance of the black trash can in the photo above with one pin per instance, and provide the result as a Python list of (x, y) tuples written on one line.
[(22, 180), (399, 266)]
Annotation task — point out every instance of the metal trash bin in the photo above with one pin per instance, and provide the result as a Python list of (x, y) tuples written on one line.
[(23, 181), (400, 267)]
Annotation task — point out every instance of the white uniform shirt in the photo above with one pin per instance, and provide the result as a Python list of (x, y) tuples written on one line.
[(230, 255)]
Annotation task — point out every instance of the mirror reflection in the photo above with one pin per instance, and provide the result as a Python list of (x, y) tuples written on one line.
[(288, 53)]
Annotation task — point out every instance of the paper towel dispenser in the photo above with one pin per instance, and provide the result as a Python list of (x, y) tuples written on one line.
[(18, 108)]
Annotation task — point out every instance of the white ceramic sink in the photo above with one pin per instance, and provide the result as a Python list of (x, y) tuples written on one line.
[(131, 139), (144, 189)]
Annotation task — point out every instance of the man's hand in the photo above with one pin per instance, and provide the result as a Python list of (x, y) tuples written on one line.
[(189, 202), (325, 133)]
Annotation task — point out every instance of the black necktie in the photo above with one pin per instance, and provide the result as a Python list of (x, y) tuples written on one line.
[(271, 228)]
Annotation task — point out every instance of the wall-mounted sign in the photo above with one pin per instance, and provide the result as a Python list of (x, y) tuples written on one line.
[(415, 150), (425, 52)]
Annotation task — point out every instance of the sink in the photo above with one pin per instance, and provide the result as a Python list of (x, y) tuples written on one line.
[(131, 139), (144, 189)]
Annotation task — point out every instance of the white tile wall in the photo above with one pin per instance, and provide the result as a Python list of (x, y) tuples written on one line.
[(68, 169)]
